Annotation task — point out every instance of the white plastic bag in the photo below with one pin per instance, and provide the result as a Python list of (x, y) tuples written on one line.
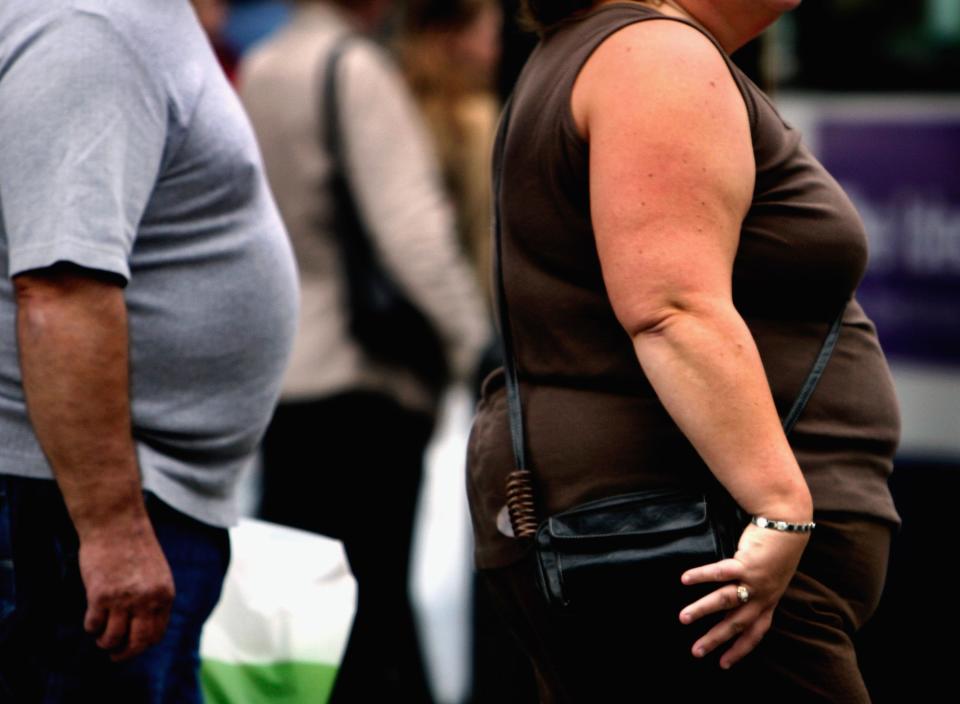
[(442, 575), (279, 632)]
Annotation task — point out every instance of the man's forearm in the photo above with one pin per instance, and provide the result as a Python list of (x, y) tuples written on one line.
[(72, 334), (74, 360)]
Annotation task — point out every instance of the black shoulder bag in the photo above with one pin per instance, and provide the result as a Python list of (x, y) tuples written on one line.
[(631, 544), (389, 327)]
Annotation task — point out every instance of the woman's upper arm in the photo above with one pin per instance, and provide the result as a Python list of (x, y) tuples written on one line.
[(671, 169)]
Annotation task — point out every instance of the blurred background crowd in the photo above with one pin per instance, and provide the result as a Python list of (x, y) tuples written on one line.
[(875, 89)]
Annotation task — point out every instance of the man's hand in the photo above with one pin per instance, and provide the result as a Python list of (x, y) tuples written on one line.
[(73, 340), (129, 590)]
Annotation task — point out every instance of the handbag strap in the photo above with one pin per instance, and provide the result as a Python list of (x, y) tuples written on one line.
[(331, 117), (517, 434), (511, 373), (813, 377), (349, 230)]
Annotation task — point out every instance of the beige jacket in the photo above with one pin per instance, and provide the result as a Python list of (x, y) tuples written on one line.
[(398, 188)]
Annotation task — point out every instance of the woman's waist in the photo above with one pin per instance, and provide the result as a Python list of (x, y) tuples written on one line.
[(576, 435), (573, 425), (855, 397)]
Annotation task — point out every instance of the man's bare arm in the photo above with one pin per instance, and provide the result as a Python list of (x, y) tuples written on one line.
[(73, 340)]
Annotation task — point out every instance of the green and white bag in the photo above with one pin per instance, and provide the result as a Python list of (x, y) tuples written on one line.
[(279, 632)]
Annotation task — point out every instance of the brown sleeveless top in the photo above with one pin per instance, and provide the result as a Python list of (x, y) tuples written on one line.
[(594, 424)]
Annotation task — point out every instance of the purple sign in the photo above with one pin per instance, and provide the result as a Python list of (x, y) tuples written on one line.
[(904, 176)]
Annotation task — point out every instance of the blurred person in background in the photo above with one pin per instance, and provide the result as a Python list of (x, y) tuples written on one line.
[(344, 453), (450, 52), (148, 301)]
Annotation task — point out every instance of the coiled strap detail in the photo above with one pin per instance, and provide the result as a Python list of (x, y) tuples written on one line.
[(521, 504)]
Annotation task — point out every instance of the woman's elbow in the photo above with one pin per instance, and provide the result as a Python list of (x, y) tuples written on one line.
[(656, 319)]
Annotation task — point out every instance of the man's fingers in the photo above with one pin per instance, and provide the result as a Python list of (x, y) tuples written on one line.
[(115, 634), (129, 587), (724, 571), (95, 620), (748, 641), (144, 632), (136, 631)]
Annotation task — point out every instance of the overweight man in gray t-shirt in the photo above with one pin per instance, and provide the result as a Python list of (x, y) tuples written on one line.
[(147, 308)]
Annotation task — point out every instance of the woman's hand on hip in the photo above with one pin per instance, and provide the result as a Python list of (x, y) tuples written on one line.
[(764, 564)]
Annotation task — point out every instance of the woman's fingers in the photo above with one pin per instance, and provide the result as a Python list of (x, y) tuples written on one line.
[(748, 625), (724, 571), (763, 566), (737, 623), (723, 599), (748, 641)]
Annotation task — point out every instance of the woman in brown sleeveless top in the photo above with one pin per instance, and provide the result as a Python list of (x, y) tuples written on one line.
[(673, 257)]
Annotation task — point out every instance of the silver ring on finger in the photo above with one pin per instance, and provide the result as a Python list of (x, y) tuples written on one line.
[(743, 594)]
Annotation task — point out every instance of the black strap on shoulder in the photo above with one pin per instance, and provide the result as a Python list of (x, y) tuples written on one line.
[(511, 373), (330, 104)]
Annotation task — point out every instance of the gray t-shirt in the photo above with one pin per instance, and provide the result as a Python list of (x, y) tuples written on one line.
[(123, 149)]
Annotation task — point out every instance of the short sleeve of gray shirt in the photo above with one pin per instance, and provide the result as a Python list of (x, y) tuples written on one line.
[(124, 150), (82, 134)]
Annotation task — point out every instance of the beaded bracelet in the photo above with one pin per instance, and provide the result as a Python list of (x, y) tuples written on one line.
[(762, 522)]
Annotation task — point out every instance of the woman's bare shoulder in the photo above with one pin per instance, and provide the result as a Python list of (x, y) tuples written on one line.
[(666, 58)]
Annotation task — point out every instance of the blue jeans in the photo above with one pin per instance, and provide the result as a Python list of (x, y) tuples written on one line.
[(45, 655)]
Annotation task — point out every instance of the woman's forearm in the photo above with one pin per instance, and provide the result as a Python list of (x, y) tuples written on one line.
[(703, 363)]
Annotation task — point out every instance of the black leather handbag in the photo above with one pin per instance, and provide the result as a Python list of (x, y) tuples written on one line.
[(629, 544), (383, 320), (637, 543)]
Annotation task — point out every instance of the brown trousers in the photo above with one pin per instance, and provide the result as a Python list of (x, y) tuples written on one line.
[(630, 652)]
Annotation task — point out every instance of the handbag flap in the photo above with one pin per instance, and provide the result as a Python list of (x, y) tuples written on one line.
[(629, 515)]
